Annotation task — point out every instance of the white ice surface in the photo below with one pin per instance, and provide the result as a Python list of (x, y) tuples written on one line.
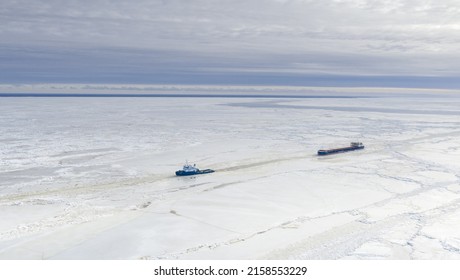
[(93, 178)]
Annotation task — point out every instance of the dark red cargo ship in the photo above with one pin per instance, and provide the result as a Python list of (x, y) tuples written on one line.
[(353, 146)]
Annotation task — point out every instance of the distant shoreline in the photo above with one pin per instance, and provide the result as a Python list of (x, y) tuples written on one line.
[(175, 95)]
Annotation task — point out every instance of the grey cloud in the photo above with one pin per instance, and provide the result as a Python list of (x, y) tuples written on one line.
[(125, 39)]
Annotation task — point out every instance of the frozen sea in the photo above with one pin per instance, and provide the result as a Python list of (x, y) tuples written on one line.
[(93, 177)]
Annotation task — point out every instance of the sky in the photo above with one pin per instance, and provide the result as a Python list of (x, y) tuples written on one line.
[(393, 43)]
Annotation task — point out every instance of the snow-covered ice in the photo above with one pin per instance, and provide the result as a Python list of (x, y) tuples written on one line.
[(93, 178)]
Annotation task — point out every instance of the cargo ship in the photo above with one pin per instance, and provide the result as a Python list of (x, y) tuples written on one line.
[(188, 170), (353, 146)]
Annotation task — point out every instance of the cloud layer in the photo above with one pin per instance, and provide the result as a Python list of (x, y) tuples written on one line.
[(229, 41)]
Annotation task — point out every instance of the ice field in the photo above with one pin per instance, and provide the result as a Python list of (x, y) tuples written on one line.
[(93, 178)]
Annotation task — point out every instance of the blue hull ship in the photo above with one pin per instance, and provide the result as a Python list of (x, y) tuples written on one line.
[(353, 146), (189, 170)]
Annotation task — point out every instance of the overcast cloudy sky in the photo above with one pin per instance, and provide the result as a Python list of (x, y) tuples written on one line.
[(409, 43)]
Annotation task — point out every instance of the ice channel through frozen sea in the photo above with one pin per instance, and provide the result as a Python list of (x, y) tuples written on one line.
[(93, 177)]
